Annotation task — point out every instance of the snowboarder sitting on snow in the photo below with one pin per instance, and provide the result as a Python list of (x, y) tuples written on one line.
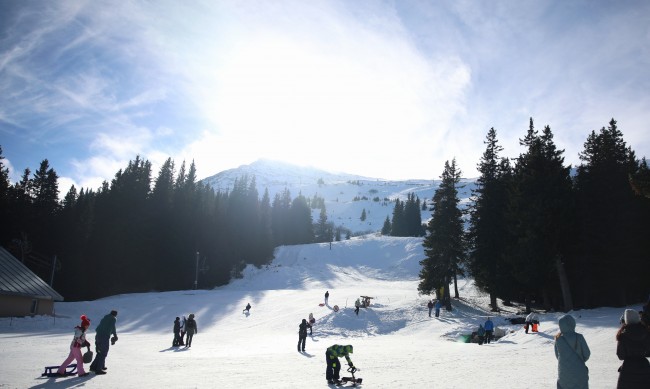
[(177, 332), (248, 308), (332, 356), (481, 334)]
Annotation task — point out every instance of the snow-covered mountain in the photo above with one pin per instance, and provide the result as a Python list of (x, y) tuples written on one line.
[(346, 195)]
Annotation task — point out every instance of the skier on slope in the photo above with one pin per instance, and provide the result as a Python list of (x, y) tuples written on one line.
[(332, 355)]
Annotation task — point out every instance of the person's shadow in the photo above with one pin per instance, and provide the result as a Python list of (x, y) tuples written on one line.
[(247, 313), (306, 354)]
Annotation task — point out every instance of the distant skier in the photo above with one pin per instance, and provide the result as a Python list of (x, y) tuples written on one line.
[(302, 334), (357, 304), (332, 355), (183, 321), (489, 329), (327, 296), (311, 322), (438, 306), (532, 321), (247, 309), (177, 332), (191, 329), (430, 305)]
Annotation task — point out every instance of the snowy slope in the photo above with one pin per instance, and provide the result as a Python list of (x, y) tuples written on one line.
[(396, 344)]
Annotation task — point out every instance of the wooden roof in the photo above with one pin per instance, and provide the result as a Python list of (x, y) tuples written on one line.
[(17, 280)]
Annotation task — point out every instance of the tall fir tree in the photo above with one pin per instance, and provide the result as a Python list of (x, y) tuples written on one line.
[(487, 232), (444, 243)]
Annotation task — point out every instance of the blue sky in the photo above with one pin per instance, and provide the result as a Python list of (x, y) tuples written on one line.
[(377, 88)]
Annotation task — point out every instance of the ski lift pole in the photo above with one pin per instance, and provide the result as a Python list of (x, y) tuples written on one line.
[(196, 273)]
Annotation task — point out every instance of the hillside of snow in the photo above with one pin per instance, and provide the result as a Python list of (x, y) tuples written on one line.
[(339, 191), (396, 344)]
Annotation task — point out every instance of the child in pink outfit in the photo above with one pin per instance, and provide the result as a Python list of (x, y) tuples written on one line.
[(78, 342)]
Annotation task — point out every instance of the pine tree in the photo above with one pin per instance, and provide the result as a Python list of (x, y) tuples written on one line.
[(444, 245), (613, 223), (487, 232), (385, 230), (540, 220)]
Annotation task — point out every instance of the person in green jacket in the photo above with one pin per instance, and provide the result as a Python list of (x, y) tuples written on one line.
[(332, 355), (104, 330)]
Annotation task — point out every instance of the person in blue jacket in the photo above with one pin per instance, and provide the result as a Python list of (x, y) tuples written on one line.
[(438, 306), (572, 352), (489, 330)]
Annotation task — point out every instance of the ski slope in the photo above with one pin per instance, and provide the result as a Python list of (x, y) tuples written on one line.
[(396, 344)]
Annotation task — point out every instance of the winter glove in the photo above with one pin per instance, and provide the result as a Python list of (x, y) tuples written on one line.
[(113, 340)]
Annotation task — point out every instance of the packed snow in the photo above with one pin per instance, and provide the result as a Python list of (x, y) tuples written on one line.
[(396, 343)]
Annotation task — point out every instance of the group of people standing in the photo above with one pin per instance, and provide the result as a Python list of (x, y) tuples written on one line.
[(103, 333), (436, 305), (184, 328), (633, 348)]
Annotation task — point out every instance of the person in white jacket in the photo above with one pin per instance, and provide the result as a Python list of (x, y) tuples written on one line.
[(78, 342), (531, 322)]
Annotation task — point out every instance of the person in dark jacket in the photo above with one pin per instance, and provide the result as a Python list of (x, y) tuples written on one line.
[(302, 334), (248, 308), (327, 296), (177, 332), (572, 352), (633, 347), (438, 306), (430, 305), (332, 355), (190, 329), (103, 332)]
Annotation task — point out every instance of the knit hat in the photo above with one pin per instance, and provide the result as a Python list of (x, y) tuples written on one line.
[(114, 313), (631, 316), (85, 322)]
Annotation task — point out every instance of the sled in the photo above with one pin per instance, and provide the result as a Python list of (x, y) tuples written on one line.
[(51, 371), (353, 380), (321, 304)]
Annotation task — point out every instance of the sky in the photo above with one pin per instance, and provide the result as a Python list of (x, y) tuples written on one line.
[(396, 343), (385, 89)]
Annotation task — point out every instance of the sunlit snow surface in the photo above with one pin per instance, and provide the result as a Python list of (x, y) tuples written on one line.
[(396, 344)]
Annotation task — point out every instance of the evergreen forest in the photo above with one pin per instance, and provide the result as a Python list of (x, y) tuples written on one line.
[(537, 231)]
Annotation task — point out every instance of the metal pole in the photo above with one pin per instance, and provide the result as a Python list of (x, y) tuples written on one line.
[(52, 276), (196, 274)]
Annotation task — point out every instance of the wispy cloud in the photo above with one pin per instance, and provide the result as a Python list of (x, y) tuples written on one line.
[(380, 89)]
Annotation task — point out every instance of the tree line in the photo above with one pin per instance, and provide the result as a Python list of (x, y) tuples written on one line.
[(138, 234), (536, 232)]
